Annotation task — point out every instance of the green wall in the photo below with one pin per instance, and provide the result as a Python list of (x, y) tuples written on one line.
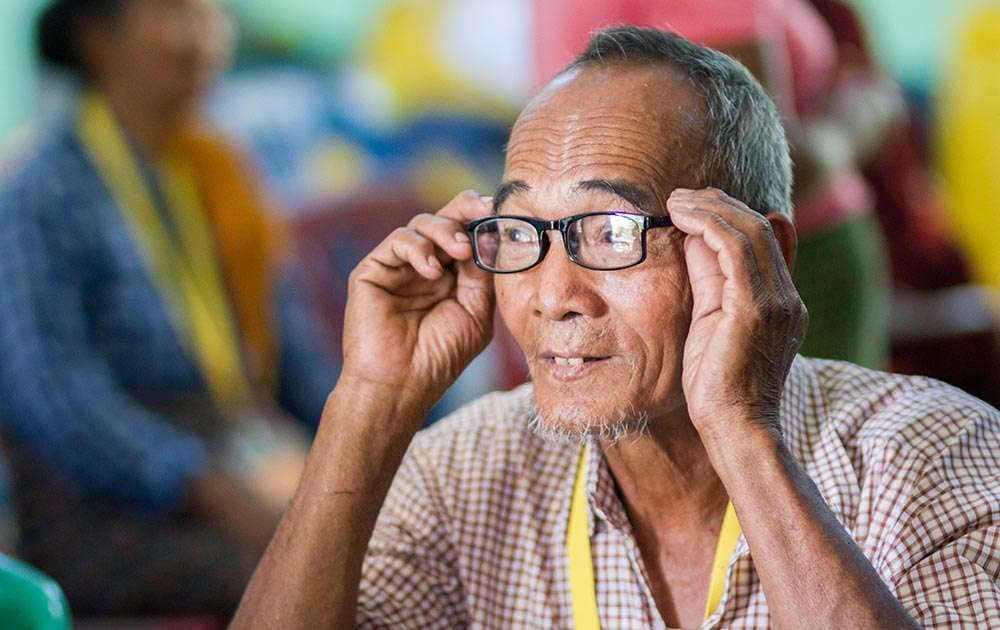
[(912, 37), (17, 66)]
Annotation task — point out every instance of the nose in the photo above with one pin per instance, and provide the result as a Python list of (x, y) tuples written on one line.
[(562, 289)]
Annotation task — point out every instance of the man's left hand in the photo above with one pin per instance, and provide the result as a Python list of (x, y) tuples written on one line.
[(747, 320)]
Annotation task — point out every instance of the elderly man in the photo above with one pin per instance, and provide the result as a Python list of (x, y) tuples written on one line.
[(672, 463)]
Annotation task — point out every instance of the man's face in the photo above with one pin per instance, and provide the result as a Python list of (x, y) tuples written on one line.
[(607, 138)]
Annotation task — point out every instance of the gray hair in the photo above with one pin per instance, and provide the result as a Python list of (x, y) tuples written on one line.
[(747, 152)]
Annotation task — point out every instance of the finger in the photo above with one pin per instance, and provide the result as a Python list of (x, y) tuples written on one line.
[(768, 253), (475, 290), (733, 249), (735, 211), (466, 206), (707, 279), (405, 246), (447, 234)]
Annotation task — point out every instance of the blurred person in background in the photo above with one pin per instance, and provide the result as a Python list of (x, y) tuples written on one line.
[(156, 347)]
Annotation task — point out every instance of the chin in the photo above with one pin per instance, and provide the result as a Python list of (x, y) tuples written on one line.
[(568, 422)]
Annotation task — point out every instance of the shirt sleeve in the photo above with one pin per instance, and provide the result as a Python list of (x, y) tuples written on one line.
[(57, 393), (308, 370), (943, 561), (958, 586), (410, 577)]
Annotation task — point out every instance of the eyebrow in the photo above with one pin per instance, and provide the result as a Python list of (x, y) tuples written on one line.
[(506, 189), (629, 191)]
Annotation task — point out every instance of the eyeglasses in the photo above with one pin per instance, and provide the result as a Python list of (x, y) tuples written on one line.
[(604, 241)]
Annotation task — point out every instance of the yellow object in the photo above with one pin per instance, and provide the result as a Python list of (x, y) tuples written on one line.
[(581, 563), (404, 53), (969, 141), (249, 240), (436, 175), (186, 273), (729, 535)]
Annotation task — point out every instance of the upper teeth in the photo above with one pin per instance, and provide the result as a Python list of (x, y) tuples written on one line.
[(569, 360)]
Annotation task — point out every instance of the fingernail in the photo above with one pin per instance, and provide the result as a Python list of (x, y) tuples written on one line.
[(461, 237), (487, 200), (433, 262)]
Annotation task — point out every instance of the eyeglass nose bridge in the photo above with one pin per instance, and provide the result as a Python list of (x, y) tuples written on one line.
[(557, 225)]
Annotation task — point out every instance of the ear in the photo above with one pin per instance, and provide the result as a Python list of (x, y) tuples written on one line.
[(784, 233)]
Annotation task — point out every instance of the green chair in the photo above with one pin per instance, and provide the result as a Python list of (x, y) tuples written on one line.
[(29, 599)]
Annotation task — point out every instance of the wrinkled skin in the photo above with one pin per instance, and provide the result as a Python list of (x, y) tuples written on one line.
[(420, 309), (644, 352)]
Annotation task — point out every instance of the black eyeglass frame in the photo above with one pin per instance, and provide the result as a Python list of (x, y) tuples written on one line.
[(542, 228)]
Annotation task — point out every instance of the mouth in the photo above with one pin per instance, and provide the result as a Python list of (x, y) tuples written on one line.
[(569, 366)]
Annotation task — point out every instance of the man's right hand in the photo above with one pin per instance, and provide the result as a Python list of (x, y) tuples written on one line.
[(418, 309)]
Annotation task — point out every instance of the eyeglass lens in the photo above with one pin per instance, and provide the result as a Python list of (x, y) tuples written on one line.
[(600, 241)]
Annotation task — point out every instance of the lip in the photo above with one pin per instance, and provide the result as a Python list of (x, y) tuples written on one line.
[(561, 371)]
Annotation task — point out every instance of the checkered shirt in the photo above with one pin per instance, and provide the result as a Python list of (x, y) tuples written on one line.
[(473, 531)]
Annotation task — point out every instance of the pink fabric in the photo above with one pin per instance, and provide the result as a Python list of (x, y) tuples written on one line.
[(845, 197), (806, 52)]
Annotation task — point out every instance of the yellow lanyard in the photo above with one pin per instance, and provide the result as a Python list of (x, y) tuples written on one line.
[(186, 274), (581, 563)]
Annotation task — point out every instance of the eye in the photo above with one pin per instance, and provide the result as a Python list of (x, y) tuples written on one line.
[(615, 231), (522, 233)]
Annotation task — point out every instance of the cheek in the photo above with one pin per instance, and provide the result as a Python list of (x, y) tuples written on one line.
[(512, 303), (654, 309)]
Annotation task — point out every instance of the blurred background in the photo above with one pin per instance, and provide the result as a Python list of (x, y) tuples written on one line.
[(352, 116)]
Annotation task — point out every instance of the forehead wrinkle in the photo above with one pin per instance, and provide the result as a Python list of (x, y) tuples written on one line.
[(564, 143), (573, 126), (584, 150), (677, 121), (611, 123), (605, 157), (628, 140)]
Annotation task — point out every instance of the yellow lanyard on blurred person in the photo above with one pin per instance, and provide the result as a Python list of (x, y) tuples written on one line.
[(583, 588), (185, 268)]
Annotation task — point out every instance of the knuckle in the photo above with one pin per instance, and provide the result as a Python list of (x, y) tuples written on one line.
[(412, 237), (760, 223), (359, 272), (717, 220), (401, 233), (465, 197), (420, 219), (788, 310), (801, 311)]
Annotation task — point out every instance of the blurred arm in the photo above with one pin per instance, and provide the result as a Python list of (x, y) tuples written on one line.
[(60, 396), (308, 369)]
